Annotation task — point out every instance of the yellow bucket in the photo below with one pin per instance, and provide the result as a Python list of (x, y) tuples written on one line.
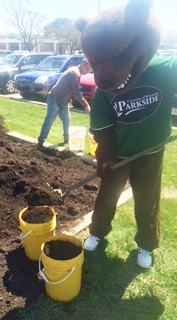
[(92, 145), (33, 235), (62, 277)]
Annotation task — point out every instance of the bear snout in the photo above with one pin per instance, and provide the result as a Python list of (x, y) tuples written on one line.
[(105, 83)]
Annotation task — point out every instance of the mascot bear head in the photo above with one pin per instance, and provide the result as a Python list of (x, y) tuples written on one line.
[(119, 43)]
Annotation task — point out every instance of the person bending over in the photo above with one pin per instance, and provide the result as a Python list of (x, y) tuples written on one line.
[(59, 97)]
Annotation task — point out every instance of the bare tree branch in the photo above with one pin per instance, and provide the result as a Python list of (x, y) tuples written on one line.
[(28, 23), (64, 30)]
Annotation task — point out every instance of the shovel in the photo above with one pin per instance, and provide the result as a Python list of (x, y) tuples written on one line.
[(119, 164)]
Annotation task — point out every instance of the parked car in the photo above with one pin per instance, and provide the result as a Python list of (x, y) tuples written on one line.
[(16, 63), (42, 78), (87, 83), (4, 53)]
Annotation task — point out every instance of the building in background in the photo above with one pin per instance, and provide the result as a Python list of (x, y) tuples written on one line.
[(9, 42), (47, 45)]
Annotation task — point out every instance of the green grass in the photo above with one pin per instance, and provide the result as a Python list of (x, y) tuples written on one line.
[(27, 119), (113, 286)]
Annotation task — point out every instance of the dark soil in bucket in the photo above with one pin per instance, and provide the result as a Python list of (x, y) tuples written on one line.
[(37, 215), (61, 250)]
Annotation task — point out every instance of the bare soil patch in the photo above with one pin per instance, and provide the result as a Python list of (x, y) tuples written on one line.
[(28, 178)]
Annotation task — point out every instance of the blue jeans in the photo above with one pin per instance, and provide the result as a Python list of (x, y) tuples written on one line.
[(53, 110)]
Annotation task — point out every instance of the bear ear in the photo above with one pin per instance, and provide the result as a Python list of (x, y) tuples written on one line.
[(138, 9), (146, 4), (80, 23)]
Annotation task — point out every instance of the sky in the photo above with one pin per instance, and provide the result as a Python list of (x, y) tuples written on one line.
[(165, 10)]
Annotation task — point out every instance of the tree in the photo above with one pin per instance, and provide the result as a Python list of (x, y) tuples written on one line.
[(64, 31), (28, 23)]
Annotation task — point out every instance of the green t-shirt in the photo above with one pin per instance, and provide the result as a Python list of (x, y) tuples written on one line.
[(141, 117)]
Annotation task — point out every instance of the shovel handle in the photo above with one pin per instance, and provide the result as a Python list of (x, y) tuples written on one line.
[(121, 163), (79, 184), (157, 147)]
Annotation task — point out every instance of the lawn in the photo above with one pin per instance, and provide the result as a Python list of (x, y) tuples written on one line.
[(27, 118), (113, 286)]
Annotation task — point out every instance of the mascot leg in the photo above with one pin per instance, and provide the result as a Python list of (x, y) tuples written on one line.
[(145, 178), (110, 190)]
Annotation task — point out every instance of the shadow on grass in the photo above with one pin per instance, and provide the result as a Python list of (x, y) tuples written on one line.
[(104, 282), (21, 279)]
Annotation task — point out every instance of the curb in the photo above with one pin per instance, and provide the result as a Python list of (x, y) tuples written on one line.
[(22, 138)]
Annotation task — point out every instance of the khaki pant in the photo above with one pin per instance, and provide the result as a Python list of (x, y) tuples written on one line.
[(144, 175)]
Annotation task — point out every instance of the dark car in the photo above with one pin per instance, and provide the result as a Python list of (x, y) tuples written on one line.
[(16, 63), (4, 53), (42, 78)]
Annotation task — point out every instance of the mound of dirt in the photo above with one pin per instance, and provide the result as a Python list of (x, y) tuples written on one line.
[(29, 177)]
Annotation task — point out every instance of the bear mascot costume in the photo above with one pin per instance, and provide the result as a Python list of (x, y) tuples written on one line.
[(130, 112)]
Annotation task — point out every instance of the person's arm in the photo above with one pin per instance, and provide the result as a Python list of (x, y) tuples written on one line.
[(106, 149), (78, 93), (102, 126)]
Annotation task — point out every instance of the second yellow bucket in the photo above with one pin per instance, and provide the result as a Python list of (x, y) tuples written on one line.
[(33, 235), (62, 277), (92, 145)]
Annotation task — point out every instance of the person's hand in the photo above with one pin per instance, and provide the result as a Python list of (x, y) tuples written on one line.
[(70, 105), (87, 108), (103, 168)]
